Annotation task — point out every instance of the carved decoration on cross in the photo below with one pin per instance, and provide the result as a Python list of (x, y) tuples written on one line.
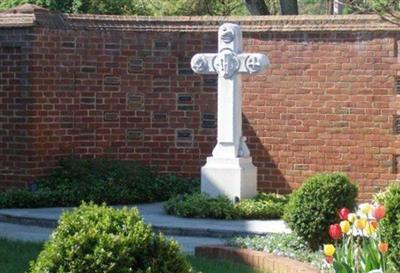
[(229, 59), (229, 63)]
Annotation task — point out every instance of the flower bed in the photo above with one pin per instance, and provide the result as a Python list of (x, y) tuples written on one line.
[(281, 245), (358, 246)]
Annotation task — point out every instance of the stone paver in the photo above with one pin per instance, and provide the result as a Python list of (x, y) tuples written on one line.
[(154, 214)]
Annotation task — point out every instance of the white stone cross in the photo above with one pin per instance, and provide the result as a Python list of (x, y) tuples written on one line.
[(231, 158), (229, 64)]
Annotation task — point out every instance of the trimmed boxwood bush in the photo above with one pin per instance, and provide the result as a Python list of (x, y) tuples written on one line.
[(390, 224), (199, 205), (314, 206), (98, 180), (100, 239)]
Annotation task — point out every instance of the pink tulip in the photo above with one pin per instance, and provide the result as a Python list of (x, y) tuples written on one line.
[(379, 212), (344, 213)]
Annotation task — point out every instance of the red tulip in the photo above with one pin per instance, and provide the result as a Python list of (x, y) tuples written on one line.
[(335, 231), (344, 213), (383, 247), (329, 259), (379, 212)]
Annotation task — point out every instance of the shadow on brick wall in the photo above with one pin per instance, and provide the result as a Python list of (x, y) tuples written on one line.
[(270, 177)]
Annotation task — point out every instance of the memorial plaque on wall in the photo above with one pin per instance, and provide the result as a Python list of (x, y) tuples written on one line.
[(398, 85), (184, 137), (111, 83), (396, 124), (396, 164), (111, 116), (160, 116), (161, 48), (208, 120), (135, 101), (184, 102), (112, 80), (135, 65), (134, 134)]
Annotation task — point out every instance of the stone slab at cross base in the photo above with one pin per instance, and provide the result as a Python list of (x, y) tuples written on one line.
[(230, 177)]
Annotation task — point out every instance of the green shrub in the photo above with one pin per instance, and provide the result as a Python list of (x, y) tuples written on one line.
[(314, 206), (263, 206), (200, 205), (98, 180), (101, 239), (390, 224)]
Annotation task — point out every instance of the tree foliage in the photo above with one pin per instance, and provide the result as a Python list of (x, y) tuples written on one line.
[(372, 6), (197, 7), (138, 7), (121, 7)]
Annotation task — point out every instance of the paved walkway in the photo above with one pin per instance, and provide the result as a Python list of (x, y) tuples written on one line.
[(40, 234), (37, 224)]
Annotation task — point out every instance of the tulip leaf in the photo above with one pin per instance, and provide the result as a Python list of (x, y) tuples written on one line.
[(342, 268), (348, 268)]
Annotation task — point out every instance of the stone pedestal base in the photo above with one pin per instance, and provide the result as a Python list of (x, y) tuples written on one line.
[(231, 177)]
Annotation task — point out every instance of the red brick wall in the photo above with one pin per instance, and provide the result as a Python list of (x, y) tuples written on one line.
[(326, 104), (15, 108)]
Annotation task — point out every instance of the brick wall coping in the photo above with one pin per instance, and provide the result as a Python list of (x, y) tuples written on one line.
[(255, 259), (31, 15)]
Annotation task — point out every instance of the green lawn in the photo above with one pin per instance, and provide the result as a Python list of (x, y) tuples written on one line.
[(15, 257)]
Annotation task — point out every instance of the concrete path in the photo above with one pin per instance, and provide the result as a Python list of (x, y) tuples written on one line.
[(37, 225), (154, 214), (40, 234)]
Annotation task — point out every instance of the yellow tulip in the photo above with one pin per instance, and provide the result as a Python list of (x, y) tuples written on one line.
[(329, 250), (352, 217), (366, 208), (360, 223), (345, 226), (369, 229)]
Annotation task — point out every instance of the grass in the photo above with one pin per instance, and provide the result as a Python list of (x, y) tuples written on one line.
[(15, 257), (213, 266)]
